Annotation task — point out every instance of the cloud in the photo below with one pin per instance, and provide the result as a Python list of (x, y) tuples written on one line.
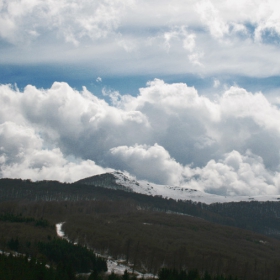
[(168, 134), (267, 18), (187, 39), (151, 163), (235, 174), (180, 33), (210, 17), (51, 165), (22, 155), (216, 83), (206, 37), (16, 140), (76, 122), (71, 20)]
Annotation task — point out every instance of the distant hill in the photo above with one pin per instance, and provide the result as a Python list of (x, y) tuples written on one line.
[(110, 181), (119, 181), (258, 216)]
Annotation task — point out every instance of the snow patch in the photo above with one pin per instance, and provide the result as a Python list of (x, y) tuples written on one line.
[(115, 266), (181, 193), (13, 253), (59, 230)]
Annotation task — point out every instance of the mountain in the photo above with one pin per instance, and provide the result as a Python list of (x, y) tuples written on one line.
[(137, 236), (139, 223), (257, 213), (260, 214), (119, 181)]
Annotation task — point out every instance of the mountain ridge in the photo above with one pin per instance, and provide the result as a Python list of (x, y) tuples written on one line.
[(119, 181)]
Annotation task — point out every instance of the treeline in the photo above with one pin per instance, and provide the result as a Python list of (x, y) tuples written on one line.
[(173, 274), (148, 239), (61, 253), (260, 217), (79, 258), (9, 217), (20, 267), (166, 274), (21, 233)]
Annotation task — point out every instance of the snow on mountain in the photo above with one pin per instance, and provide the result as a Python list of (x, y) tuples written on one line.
[(114, 266), (118, 180)]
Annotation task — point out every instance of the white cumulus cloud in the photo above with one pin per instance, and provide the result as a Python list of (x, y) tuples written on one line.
[(168, 133), (149, 162), (235, 174)]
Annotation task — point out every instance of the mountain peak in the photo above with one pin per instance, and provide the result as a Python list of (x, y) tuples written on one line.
[(119, 181), (112, 180)]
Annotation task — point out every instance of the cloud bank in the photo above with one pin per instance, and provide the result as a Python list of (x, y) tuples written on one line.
[(168, 134), (226, 143), (205, 37)]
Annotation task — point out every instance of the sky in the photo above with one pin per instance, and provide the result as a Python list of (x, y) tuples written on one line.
[(179, 92)]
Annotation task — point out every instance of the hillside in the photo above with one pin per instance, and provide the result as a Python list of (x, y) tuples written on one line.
[(145, 231), (262, 217), (145, 239)]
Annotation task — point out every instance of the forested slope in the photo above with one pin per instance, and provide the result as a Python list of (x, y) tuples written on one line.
[(146, 232), (262, 217), (147, 239)]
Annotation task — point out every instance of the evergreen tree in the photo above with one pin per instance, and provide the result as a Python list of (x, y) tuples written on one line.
[(113, 276), (206, 276), (125, 275)]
